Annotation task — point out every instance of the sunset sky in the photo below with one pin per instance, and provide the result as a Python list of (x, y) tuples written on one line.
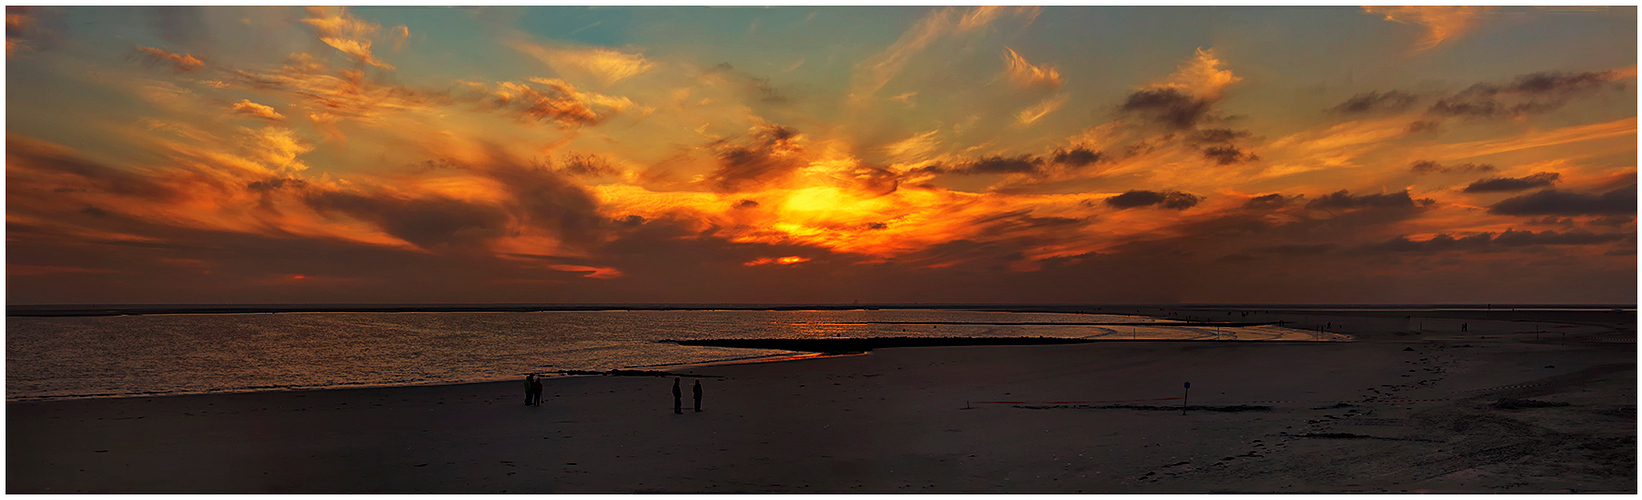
[(831, 154)]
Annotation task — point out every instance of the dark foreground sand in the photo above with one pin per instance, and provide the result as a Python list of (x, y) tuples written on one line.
[(1396, 411)]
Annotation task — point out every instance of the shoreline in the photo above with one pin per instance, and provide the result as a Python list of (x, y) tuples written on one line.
[(1486, 411), (1380, 324)]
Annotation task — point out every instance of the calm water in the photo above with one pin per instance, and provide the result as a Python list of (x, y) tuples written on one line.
[(73, 357)]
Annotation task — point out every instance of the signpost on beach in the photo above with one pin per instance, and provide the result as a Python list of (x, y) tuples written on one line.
[(1184, 399)]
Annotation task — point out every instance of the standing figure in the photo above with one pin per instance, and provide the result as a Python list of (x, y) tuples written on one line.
[(678, 398), (536, 391), (530, 388), (697, 391)]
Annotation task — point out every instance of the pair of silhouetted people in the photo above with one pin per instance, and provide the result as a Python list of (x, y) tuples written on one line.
[(678, 396), (533, 390)]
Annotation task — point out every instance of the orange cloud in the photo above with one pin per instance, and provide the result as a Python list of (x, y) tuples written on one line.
[(601, 273), (328, 97), (1201, 76), (246, 107), (400, 34), (1032, 114), (17, 24), (607, 65), (1024, 74), (1621, 128), (181, 62), (1441, 23), (785, 261), (875, 72), (342, 31)]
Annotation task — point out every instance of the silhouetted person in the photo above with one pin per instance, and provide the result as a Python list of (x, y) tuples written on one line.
[(697, 391), (1465, 327), (530, 388), (678, 398), (536, 391)]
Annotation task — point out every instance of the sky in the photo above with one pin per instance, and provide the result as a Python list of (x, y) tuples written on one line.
[(1100, 155)]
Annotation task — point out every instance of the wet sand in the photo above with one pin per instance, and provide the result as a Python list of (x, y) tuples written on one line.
[(1399, 410)]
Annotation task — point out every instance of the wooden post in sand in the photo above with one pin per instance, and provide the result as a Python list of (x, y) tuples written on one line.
[(1186, 398)]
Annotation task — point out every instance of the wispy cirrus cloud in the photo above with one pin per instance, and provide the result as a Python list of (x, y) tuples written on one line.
[(344, 32), (181, 62), (603, 64), (875, 72), (1441, 23), (1026, 75), (1029, 115), (553, 100)]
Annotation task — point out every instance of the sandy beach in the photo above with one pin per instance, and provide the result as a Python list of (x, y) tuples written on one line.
[(1514, 404)]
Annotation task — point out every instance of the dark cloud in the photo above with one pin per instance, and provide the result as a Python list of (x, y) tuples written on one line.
[(768, 158), (1169, 107), (1528, 94), (1561, 82), (1344, 200), (1024, 220), (30, 158), (430, 223), (1228, 155), (1620, 201), (585, 165), (537, 197), (1077, 157), (1423, 126), (1216, 135), (1491, 242), (277, 183), (546, 200), (1377, 101), (1269, 201), (1499, 184), (1550, 220), (1576, 237), (1612, 220), (1173, 200), (745, 204), (1021, 164), (1431, 167)]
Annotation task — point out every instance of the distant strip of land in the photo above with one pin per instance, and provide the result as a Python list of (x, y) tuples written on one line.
[(1189, 312), (855, 345), (1053, 323)]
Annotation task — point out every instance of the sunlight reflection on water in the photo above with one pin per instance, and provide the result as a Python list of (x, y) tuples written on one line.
[(67, 357)]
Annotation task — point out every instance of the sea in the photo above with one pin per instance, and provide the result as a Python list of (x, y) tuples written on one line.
[(70, 357)]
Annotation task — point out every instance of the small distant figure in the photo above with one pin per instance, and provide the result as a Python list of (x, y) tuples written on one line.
[(1465, 327), (530, 389), (697, 391), (678, 398), (536, 391)]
